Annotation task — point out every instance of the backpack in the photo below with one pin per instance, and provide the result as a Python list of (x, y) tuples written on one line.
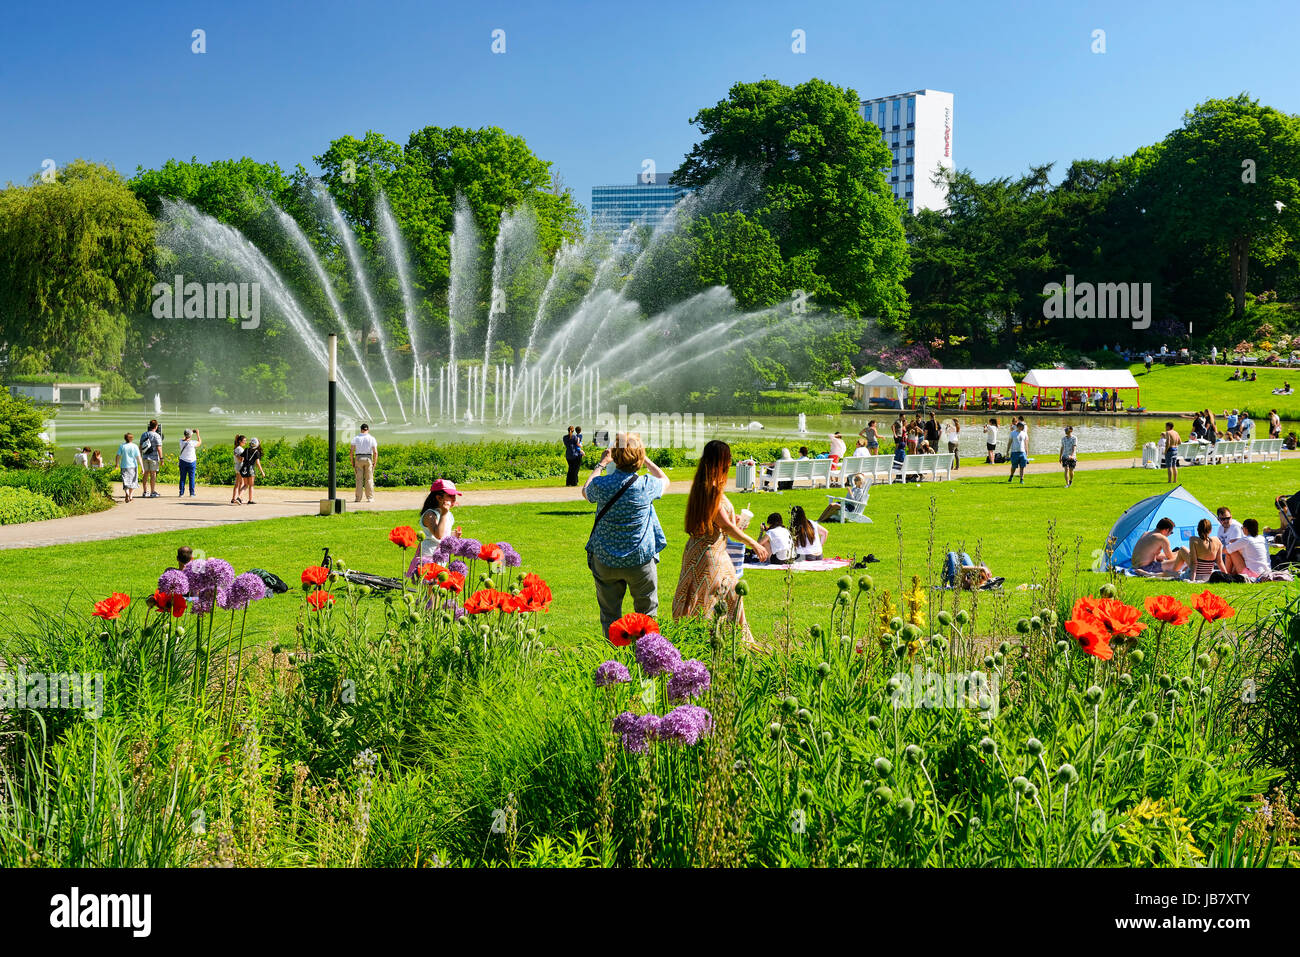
[(274, 583), (149, 445)]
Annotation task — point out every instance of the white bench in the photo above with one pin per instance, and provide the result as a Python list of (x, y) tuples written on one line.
[(1267, 447), (1191, 452), (782, 470), (928, 463), (868, 465)]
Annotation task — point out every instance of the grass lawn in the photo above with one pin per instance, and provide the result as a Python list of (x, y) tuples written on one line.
[(1186, 388), (1005, 525)]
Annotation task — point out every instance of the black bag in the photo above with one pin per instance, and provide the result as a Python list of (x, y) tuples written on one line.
[(999, 458), (273, 582)]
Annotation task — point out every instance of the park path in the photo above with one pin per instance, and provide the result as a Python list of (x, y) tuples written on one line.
[(211, 507)]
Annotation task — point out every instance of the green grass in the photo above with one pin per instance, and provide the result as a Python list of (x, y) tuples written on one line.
[(1007, 525), (1187, 388)]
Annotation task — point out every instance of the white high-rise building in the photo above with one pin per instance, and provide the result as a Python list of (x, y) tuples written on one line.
[(917, 127)]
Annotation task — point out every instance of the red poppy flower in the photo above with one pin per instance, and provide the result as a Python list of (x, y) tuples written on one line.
[(1168, 609), (431, 571), (489, 599), (1093, 636), (631, 627), (491, 553), (319, 599), (112, 606), (403, 536), (165, 602), (315, 575), (536, 593), (454, 582), (1119, 618), (1212, 607)]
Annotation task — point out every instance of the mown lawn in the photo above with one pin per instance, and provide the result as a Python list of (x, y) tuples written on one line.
[(1186, 388), (1006, 525)]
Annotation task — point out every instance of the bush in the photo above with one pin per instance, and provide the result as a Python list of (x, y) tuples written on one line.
[(21, 424), (74, 489), (20, 505)]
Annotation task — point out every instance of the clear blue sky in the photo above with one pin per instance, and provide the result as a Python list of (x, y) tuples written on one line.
[(597, 87)]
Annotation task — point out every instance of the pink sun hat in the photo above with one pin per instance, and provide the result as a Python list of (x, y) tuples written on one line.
[(445, 486)]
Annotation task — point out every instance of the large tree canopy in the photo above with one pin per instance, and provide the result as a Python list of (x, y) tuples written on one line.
[(823, 194), (75, 261)]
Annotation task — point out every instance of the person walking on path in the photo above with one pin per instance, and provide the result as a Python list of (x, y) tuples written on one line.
[(952, 435), (188, 459), (151, 457), (365, 456), (990, 441), (1274, 425), (1068, 458), (1018, 453), (251, 464), (128, 460), (572, 456), (626, 538), (708, 575), (1172, 440)]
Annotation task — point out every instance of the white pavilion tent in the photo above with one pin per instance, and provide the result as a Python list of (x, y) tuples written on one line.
[(879, 386), (1082, 380), (962, 382)]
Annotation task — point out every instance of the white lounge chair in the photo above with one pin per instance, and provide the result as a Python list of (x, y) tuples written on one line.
[(849, 510)]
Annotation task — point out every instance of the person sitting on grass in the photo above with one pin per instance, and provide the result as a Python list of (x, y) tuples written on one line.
[(855, 497), (1152, 554), (776, 539), (1204, 553), (1248, 555), (808, 536), (184, 555)]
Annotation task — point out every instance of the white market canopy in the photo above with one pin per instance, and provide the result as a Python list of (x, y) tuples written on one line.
[(877, 380), (877, 385), (959, 379), (1080, 379)]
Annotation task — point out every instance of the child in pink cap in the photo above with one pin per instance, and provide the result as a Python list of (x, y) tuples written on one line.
[(435, 513)]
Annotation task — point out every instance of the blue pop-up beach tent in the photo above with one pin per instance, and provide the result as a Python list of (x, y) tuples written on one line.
[(1178, 505)]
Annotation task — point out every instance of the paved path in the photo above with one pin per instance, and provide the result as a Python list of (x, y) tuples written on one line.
[(211, 507)]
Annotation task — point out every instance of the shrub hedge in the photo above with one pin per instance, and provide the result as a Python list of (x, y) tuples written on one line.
[(74, 489), (22, 505)]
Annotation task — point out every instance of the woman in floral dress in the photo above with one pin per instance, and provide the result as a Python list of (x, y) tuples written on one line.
[(708, 575)]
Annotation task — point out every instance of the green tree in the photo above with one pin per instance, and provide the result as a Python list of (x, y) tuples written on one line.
[(75, 261), (822, 190), (1216, 181), (21, 424)]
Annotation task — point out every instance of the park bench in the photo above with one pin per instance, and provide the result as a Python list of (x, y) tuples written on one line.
[(782, 471)]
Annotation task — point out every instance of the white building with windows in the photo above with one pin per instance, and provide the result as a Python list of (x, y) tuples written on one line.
[(918, 130)]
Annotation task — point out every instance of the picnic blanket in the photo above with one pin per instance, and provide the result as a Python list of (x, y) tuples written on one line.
[(821, 565)]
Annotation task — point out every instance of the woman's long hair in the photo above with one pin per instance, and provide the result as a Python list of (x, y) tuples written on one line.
[(1203, 529), (706, 490), (802, 529), (430, 503), (239, 440)]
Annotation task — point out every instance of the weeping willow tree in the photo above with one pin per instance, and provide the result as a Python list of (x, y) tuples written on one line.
[(75, 263)]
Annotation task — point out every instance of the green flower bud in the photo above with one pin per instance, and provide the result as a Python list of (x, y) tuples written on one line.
[(1092, 695), (1061, 646), (1034, 747), (999, 658), (989, 661), (1032, 791), (1107, 591), (884, 767), (1206, 692), (843, 597), (815, 631), (1125, 681), (774, 729), (1022, 626), (790, 703), (1149, 719), (1035, 623), (895, 623), (843, 582), (893, 684), (906, 807), (865, 583), (180, 631), (1066, 773), (988, 746), (1138, 656), (1166, 682), (944, 619), (1185, 683), (911, 633), (824, 668), (805, 795), (1004, 648), (365, 589), (803, 714), (873, 722), (962, 617), (914, 753), (827, 737), (742, 588), (1020, 784), (885, 793), (1047, 615), (1202, 661)]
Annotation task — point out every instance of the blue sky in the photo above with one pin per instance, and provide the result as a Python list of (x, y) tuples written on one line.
[(596, 88)]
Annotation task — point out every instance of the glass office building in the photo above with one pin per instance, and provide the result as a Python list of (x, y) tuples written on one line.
[(918, 130), (646, 201)]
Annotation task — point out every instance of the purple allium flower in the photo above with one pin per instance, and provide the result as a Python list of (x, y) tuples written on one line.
[(246, 588), (656, 655), (459, 567), (441, 551), (625, 722), (511, 557), (636, 738), (612, 673), (686, 723), (690, 680), (203, 602), (174, 582), (457, 611), (466, 547), (212, 576)]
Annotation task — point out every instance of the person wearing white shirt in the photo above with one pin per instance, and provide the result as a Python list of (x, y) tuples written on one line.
[(82, 458), (188, 459), (991, 439), (1248, 555), (365, 456), (838, 448), (776, 539), (1068, 456), (1229, 529)]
